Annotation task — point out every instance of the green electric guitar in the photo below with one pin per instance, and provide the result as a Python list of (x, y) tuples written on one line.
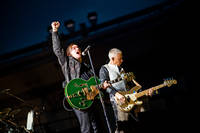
[(80, 93)]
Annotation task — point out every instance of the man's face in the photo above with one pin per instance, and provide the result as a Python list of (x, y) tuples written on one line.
[(75, 52), (117, 60)]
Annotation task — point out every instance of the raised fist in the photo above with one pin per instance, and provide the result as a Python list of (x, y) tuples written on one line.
[(55, 25)]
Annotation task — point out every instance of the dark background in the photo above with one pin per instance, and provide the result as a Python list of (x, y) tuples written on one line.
[(157, 43), (24, 23)]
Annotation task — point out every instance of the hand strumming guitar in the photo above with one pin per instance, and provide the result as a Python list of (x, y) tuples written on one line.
[(120, 98)]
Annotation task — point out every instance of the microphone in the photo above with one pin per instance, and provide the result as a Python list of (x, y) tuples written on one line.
[(85, 51)]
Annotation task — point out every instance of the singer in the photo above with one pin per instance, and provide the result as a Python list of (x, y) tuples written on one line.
[(73, 67)]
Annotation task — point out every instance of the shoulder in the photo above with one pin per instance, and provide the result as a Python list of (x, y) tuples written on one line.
[(103, 69)]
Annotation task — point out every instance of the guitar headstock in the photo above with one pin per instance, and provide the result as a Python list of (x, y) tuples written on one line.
[(169, 82), (128, 76)]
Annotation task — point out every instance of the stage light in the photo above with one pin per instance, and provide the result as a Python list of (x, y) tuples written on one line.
[(70, 25), (92, 17)]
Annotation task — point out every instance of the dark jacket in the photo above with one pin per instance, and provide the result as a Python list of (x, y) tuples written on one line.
[(104, 76), (71, 67)]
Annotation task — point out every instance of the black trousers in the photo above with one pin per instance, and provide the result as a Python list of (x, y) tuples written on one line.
[(87, 121)]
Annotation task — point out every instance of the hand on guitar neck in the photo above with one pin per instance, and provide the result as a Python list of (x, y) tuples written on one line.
[(149, 92)]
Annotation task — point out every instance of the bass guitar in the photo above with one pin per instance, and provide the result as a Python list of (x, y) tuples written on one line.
[(131, 96), (80, 93)]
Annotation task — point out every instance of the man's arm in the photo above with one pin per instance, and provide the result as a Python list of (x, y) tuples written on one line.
[(104, 76), (138, 86), (58, 50)]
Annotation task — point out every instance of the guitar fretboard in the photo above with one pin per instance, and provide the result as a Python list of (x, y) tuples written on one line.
[(140, 94)]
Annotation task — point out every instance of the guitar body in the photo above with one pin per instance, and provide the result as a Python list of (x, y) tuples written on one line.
[(130, 101), (81, 93)]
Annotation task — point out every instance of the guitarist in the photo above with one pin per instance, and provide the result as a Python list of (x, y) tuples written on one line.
[(73, 67), (111, 71)]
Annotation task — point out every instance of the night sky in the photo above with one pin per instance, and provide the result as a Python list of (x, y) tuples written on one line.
[(24, 23)]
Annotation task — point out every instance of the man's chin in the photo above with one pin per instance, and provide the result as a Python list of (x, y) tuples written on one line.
[(78, 56)]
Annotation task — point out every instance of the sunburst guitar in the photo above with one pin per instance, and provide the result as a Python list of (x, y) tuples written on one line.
[(132, 96)]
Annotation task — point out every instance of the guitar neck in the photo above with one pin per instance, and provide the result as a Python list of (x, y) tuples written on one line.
[(111, 81), (140, 94)]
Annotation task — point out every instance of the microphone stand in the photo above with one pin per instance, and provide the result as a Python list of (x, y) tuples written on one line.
[(10, 94), (21, 100), (102, 102)]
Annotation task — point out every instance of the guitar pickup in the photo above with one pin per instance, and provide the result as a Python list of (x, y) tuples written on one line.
[(128, 99), (82, 103)]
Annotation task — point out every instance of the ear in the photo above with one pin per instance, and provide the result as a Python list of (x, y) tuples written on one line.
[(112, 58)]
